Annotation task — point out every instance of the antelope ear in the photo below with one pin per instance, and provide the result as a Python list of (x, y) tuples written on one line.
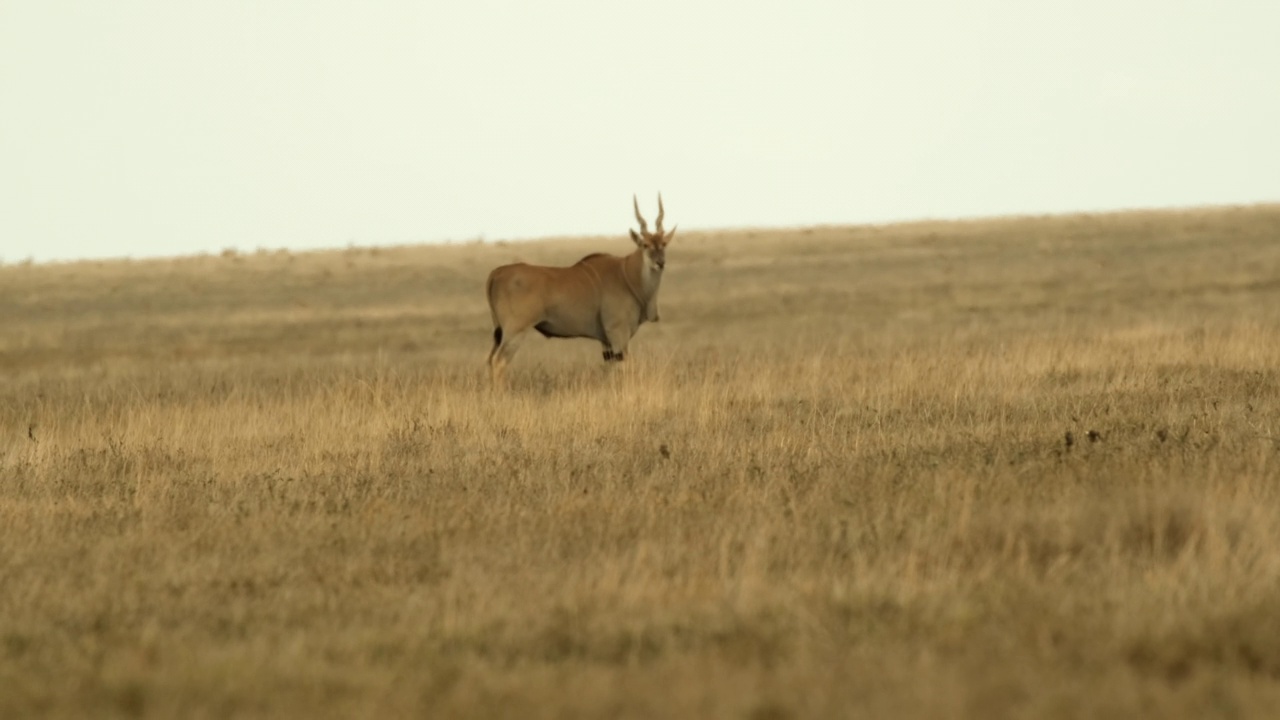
[(667, 237), (635, 237)]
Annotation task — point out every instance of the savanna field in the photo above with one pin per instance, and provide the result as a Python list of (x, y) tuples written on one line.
[(1023, 467)]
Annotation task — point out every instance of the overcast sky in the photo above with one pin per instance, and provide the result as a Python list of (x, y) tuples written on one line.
[(138, 129)]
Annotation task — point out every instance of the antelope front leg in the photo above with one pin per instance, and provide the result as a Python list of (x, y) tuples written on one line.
[(617, 347), (619, 326)]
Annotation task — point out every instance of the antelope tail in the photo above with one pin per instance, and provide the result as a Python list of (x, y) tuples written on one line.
[(497, 331)]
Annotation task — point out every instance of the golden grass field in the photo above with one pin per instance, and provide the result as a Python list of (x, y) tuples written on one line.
[(1022, 467)]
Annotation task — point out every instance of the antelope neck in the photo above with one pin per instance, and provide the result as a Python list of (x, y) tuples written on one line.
[(641, 280)]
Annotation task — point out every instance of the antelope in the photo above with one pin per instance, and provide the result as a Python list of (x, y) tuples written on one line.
[(602, 297)]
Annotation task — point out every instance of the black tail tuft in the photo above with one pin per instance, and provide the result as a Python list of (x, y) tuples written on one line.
[(497, 336)]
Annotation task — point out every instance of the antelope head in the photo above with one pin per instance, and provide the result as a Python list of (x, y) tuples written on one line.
[(654, 244)]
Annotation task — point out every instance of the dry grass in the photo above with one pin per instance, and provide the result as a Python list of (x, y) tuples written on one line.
[(1025, 467)]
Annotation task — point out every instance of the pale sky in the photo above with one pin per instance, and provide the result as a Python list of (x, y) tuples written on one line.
[(139, 129)]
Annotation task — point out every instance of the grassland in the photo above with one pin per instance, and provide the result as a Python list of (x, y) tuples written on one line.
[(1009, 468)]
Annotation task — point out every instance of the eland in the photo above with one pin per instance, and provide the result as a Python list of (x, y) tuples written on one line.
[(601, 297)]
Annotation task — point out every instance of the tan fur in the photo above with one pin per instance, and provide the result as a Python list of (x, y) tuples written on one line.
[(601, 297)]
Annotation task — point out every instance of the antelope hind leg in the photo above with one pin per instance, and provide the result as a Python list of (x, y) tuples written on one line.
[(501, 355)]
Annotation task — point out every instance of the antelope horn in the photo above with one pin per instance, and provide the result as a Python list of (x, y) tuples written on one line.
[(658, 222), (644, 227)]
